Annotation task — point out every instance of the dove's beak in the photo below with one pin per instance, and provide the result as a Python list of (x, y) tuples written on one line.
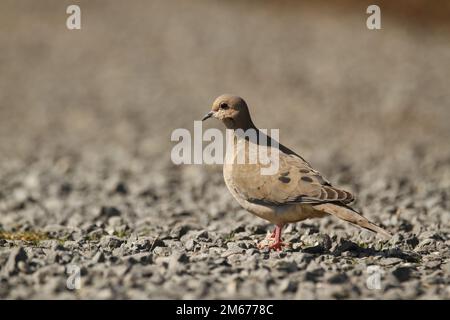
[(208, 115)]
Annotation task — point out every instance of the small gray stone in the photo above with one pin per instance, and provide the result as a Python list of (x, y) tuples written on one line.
[(305, 291), (236, 246), (121, 188), (429, 235), (345, 246), (389, 261), (142, 244), (202, 235), (71, 245), (231, 252), (286, 266), (95, 235), (252, 251), (337, 278), (413, 241), (16, 255), (115, 221), (179, 231), (287, 285), (190, 244), (120, 270), (120, 251), (446, 267), (111, 242), (140, 258), (162, 251), (402, 274), (63, 258), (301, 257), (176, 262), (396, 239), (108, 212), (157, 243), (321, 243), (99, 257), (433, 264)]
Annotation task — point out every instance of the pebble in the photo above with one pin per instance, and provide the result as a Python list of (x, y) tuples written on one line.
[(111, 242), (337, 278), (402, 274), (16, 256), (389, 261), (140, 258), (99, 257), (108, 212)]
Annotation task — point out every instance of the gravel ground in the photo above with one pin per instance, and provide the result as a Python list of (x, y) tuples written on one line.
[(86, 181)]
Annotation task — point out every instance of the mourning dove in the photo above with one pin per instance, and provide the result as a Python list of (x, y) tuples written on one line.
[(293, 193)]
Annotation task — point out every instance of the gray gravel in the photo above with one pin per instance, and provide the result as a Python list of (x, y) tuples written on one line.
[(86, 176), (179, 245)]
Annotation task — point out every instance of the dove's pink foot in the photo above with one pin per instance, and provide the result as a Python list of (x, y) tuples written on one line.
[(278, 244), (275, 239)]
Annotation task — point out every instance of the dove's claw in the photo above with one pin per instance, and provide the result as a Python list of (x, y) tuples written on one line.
[(273, 241), (278, 246)]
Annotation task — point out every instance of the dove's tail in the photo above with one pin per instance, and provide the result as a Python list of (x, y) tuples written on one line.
[(348, 214)]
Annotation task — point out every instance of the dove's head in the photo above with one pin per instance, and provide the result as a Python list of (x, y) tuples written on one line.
[(233, 112)]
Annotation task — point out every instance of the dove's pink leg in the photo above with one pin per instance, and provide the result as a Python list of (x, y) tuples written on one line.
[(277, 237), (272, 235)]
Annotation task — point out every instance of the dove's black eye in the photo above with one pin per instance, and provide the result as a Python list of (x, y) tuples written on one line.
[(224, 105)]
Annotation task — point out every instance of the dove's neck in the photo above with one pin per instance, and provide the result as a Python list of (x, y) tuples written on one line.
[(251, 135), (242, 121), (248, 127)]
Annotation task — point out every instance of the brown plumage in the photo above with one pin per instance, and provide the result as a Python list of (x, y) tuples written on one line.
[(295, 192)]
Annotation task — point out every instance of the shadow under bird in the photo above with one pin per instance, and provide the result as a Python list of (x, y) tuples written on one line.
[(295, 192)]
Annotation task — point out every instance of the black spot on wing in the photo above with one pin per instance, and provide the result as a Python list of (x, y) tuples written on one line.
[(306, 179)]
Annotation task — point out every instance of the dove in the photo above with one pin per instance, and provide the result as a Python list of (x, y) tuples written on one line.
[(294, 192)]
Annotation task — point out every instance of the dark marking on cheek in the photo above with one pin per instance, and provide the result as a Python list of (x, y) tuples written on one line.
[(307, 179), (304, 170), (284, 174), (284, 179)]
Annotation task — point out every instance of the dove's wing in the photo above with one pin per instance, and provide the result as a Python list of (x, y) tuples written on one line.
[(295, 182)]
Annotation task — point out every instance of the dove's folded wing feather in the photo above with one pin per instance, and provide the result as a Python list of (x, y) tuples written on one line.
[(295, 182)]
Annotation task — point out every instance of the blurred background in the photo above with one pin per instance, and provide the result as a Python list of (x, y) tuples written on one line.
[(137, 70)]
